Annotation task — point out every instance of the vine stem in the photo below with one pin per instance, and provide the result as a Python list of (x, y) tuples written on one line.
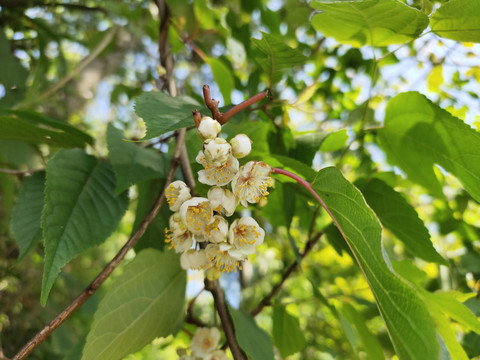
[(268, 298), (222, 118), (112, 265)]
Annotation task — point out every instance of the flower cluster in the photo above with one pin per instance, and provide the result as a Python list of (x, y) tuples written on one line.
[(199, 229), (204, 346)]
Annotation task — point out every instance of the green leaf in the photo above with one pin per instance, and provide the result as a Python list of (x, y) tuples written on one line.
[(81, 209), (12, 74), (407, 270), (38, 130), (146, 301), (406, 316), (163, 113), (255, 341), (449, 337), (458, 20), (418, 134), (132, 163), (449, 305), (27, 214), (223, 77), (287, 335), (307, 146), (275, 57), (370, 342), (154, 236), (397, 215), (334, 141), (369, 22)]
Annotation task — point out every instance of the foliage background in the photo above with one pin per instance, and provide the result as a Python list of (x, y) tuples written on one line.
[(327, 108)]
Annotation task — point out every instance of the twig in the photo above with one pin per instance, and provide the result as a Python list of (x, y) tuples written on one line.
[(268, 298), (191, 318), (112, 265), (227, 324), (222, 118), (20, 172), (98, 49)]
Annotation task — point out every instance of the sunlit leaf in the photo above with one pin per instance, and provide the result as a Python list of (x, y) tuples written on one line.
[(223, 77), (276, 57), (408, 321), (458, 20), (163, 113), (27, 213), (397, 215), (334, 141), (81, 209), (368, 22), (146, 301), (418, 134), (255, 341), (132, 163)]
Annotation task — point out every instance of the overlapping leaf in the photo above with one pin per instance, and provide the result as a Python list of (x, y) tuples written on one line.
[(132, 163), (286, 331), (397, 215), (418, 134), (163, 113), (458, 20), (408, 321), (276, 57), (145, 302), (368, 22), (81, 209), (255, 341), (27, 213)]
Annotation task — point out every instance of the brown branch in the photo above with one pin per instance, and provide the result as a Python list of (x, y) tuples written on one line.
[(112, 265), (227, 323), (191, 318), (266, 301), (222, 118)]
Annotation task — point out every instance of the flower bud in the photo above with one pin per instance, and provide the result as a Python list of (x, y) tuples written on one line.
[(222, 199), (216, 151), (194, 259), (208, 128), (241, 146), (177, 193)]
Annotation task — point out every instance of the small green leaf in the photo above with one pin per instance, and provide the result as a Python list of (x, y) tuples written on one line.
[(27, 214), (408, 321), (407, 270), (81, 209), (255, 341), (370, 342), (223, 77), (334, 141), (287, 335), (397, 215), (418, 134), (132, 163), (457, 20), (449, 337), (275, 57), (307, 146), (450, 306), (32, 131), (369, 22), (146, 301), (163, 113)]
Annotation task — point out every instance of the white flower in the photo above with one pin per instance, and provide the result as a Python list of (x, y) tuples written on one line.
[(208, 128), (216, 355), (178, 235), (241, 145), (194, 259), (196, 213), (177, 193), (216, 151), (244, 235), (204, 341), (222, 199), (251, 182), (215, 232), (217, 175), (221, 259)]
